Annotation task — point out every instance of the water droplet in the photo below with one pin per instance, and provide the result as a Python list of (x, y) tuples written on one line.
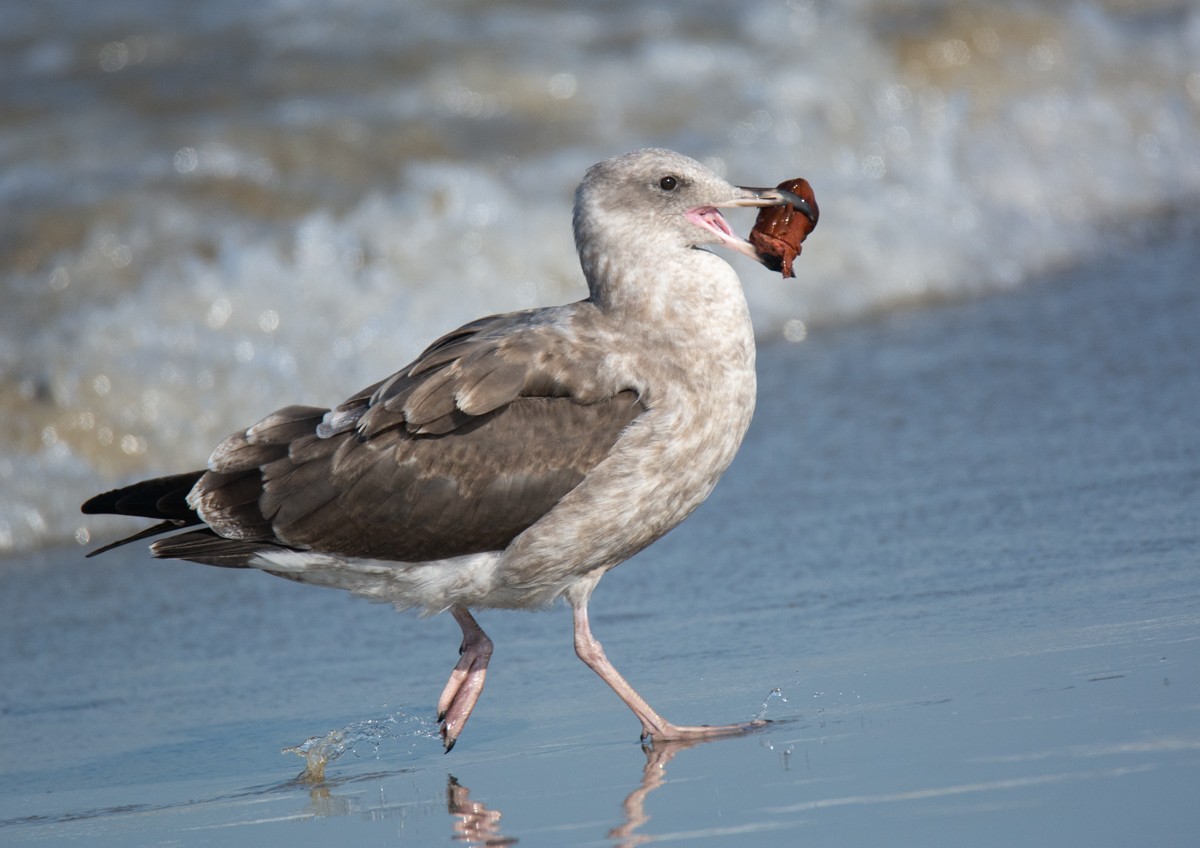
[(563, 86), (133, 445), (114, 56), (219, 312), (268, 321), (60, 279), (186, 160)]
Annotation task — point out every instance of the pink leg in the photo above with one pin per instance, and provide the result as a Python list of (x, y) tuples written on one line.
[(466, 681), (654, 727)]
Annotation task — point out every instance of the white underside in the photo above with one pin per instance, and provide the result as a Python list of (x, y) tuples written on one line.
[(474, 580)]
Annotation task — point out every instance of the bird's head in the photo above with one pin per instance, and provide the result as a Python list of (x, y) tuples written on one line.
[(651, 202)]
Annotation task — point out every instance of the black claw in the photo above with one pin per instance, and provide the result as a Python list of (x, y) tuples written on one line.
[(449, 743), (442, 716)]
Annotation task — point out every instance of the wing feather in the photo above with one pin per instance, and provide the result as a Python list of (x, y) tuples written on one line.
[(457, 453), (415, 498), (207, 547), (492, 383)]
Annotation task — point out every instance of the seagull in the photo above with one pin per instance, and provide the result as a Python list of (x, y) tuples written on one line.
[(519, 457)]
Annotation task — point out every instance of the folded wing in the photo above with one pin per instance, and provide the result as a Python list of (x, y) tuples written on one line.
[(455, 454)]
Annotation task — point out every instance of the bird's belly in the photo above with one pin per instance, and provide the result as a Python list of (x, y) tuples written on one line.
[(475, 580)]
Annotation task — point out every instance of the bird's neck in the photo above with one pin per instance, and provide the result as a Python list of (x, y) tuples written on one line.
[(661, 284)]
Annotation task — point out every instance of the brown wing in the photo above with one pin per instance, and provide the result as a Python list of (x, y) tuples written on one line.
[(457, 453)]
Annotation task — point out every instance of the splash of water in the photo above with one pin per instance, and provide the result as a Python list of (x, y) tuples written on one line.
[(775, 694), (319, 751)]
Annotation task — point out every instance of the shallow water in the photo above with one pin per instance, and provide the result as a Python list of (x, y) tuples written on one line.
[(962, 543)]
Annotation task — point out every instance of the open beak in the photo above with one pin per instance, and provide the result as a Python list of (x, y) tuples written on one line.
[(709, 218)]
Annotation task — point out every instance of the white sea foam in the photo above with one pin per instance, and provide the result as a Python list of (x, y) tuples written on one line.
[(195, 241)]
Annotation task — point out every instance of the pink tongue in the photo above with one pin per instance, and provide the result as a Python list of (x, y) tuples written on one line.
[(713, 218), (718, 221)]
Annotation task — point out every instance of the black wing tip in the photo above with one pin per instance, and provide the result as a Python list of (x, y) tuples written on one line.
[(102, 504), (156, 530)]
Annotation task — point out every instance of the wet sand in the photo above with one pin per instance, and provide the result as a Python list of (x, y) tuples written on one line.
[(956, 564)]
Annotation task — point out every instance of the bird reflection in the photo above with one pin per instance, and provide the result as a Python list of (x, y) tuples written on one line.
[(474, 824), (478, 825), (654, 773)]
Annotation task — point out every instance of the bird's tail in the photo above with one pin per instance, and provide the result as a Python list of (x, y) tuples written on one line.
[(164, 498)]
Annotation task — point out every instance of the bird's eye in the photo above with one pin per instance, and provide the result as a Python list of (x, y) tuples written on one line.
[(668, 183)]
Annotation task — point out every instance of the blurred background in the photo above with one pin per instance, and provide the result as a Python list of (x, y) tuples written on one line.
[(213, 208)]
